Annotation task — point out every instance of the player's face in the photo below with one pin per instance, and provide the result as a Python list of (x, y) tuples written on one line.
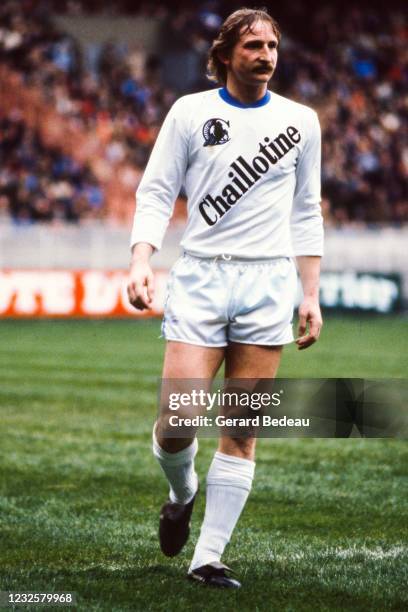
[(254, 57)]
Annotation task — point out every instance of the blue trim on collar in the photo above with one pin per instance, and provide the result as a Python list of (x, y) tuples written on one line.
[(226, 96)]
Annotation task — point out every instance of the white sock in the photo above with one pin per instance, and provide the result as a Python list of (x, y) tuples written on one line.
[(179, 471), (229, 482)]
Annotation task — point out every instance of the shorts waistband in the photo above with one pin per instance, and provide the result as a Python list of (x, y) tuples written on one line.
[(225, 258)]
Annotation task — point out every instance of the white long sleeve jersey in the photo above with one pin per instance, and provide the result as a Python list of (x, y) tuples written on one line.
[(251, 174)]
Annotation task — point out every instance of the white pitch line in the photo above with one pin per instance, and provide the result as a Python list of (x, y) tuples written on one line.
[(345, 553)]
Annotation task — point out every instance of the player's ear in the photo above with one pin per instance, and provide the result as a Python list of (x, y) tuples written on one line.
[(224, 58)]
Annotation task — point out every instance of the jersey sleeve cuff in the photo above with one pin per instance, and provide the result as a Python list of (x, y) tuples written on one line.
[(155, 240)]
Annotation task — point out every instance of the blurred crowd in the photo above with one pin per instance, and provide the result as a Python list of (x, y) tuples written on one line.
[(40, 183), (355, 72), (351, 67)]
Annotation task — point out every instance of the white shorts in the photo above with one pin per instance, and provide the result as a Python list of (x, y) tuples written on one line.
[(211, 302)]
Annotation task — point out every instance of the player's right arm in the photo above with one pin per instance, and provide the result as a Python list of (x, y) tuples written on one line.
[(155, 197), (140, 286)]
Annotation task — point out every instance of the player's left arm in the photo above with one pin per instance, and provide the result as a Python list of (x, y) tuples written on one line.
[(310, 317), (307, 231)]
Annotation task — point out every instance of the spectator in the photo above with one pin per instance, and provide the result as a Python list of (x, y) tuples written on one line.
[(351, 66)]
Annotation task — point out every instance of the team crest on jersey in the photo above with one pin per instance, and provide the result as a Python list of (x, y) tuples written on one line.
[(215, 132)]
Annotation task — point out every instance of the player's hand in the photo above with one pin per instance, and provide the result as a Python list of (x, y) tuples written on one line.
[(310, 323), (140, 285)]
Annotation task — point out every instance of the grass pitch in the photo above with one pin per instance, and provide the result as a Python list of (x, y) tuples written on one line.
[(324, 527)]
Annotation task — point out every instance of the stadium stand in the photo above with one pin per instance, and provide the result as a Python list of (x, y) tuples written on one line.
[(74, 137), (41, 183)]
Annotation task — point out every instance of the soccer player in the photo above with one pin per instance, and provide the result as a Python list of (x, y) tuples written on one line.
[(249, 161)]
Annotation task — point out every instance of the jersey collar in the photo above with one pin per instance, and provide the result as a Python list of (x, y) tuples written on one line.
[(226, 96)]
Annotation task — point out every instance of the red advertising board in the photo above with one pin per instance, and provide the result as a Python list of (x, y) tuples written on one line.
[(72, 293)]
